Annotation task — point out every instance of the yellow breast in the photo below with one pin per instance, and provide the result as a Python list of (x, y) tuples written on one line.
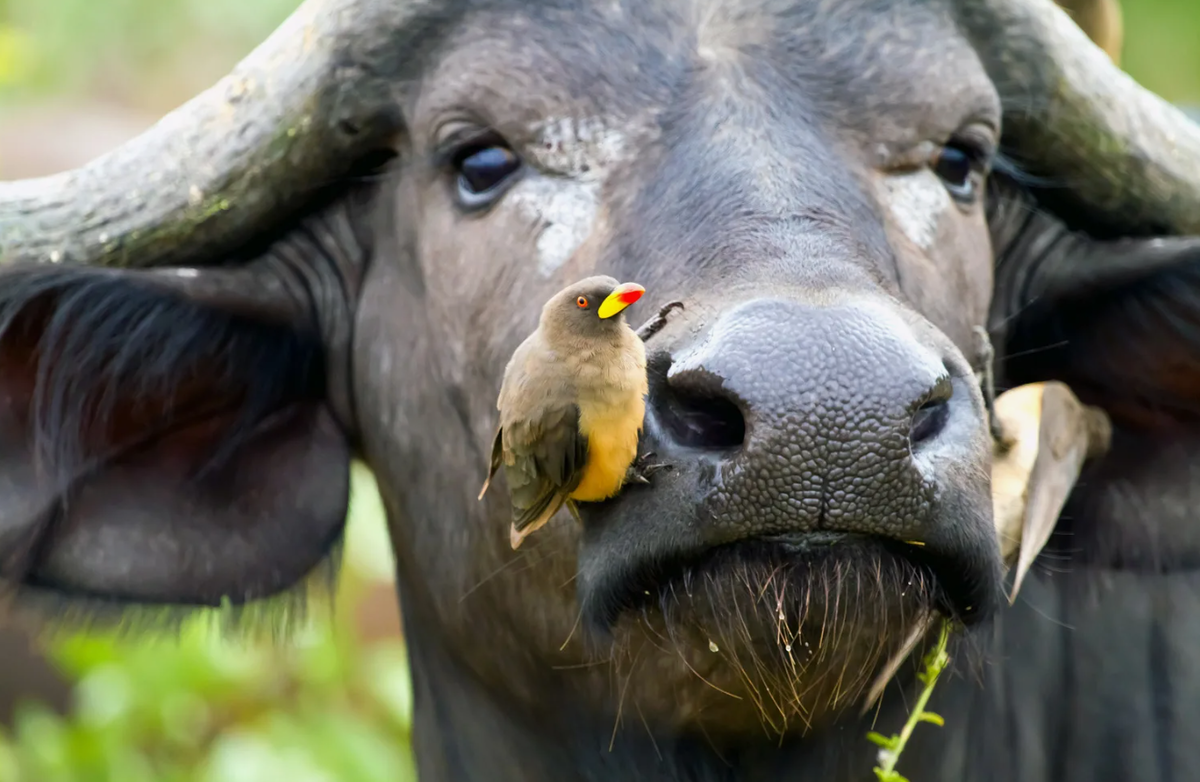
[(612, 432)]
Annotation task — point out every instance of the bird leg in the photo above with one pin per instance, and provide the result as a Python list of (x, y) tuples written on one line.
[(985, 354), (640, 471), (655, 324)]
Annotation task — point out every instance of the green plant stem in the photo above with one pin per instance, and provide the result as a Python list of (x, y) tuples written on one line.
[(935, 663)]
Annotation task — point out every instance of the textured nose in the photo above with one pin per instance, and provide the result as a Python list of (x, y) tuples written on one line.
[(814, 418)]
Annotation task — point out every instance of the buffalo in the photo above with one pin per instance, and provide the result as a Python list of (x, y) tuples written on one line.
[(333, 252)]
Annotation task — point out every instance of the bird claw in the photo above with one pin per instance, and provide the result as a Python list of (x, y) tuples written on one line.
[(655, 324), (641, 470)]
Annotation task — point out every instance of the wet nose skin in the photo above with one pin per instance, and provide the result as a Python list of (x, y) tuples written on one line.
[(830, 397), (793, 421)]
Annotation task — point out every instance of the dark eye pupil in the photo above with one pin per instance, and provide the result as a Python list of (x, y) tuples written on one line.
[(483, 170), (954, 167)]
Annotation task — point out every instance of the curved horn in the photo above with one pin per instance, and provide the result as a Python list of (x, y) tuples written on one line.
[(1131, 158), (295, 114)]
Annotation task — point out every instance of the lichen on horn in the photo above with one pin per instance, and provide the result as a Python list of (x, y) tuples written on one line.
[(1131, 159), (295, 114)]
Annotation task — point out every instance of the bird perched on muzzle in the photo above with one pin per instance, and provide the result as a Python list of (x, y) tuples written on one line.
[(572, 404)]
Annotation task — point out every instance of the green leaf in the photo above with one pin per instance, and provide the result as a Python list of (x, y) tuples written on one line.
[(929, 716), (890, 776), (882, 740)]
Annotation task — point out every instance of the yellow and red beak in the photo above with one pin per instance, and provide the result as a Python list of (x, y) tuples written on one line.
[(622, 296)]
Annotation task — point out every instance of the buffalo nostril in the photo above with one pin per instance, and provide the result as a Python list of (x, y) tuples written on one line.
[(694, 411), (931, 417)]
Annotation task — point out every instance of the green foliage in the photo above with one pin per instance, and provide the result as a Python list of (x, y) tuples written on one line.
[(138, 52), (935, 661), (124, 48), (203, 710), (15, 55), (1161, 48)]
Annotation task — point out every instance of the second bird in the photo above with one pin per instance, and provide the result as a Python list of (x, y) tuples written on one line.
[(571, 405)]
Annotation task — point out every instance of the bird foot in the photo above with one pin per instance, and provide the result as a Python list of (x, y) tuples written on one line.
[(641, 470), (655, 324)]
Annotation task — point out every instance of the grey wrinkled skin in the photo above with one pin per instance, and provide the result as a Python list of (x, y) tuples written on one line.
[(771, 164)]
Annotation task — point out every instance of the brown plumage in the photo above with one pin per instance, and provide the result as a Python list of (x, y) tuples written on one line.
[(572, 404)]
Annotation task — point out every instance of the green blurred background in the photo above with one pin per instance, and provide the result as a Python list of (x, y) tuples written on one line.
[(332, 704), (147, 54)]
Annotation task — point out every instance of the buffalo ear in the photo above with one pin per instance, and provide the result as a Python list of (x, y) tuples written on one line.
[(1117, 320), (160, 451)]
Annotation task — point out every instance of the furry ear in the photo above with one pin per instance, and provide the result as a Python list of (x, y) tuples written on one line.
[(158, 447), (1117, 320)]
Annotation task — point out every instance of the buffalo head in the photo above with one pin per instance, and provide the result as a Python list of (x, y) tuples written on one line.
[(335, 250)]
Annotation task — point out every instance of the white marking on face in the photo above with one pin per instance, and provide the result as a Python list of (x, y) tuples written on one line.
[(572, 158), (917, 202), (567, 212)]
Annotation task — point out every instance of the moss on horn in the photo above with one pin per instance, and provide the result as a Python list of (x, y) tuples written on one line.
[(1125, 156)]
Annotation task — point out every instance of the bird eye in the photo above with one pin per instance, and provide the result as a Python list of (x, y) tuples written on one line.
[(959, 166), (483, 171), (582, 302)]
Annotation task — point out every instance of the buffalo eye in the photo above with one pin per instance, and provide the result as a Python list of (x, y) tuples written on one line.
[(957, 165), (483, 172)]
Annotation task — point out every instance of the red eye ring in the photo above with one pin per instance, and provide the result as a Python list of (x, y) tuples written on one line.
[(581, 302)]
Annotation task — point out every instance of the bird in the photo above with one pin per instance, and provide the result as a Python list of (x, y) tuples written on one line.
[(572, 404)]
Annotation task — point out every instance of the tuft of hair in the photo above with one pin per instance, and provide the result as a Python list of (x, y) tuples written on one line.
[(275, 619), (1005, 165), (99, 338), (801, 635)]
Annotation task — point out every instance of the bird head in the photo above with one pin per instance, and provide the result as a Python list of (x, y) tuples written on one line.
[(592, 306)]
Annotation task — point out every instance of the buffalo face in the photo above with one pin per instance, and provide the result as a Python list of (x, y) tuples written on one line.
[(819, 209)]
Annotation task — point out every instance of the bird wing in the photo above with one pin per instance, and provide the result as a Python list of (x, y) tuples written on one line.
[(494, 462), (519, 358), (543, 463)]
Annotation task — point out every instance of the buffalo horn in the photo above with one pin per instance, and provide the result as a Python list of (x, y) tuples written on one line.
[(1128, 158)]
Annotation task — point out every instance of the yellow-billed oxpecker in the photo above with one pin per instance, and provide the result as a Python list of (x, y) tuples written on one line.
[(572, 404)]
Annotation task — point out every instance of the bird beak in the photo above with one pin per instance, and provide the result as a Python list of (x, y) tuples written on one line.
[(622, 296)]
